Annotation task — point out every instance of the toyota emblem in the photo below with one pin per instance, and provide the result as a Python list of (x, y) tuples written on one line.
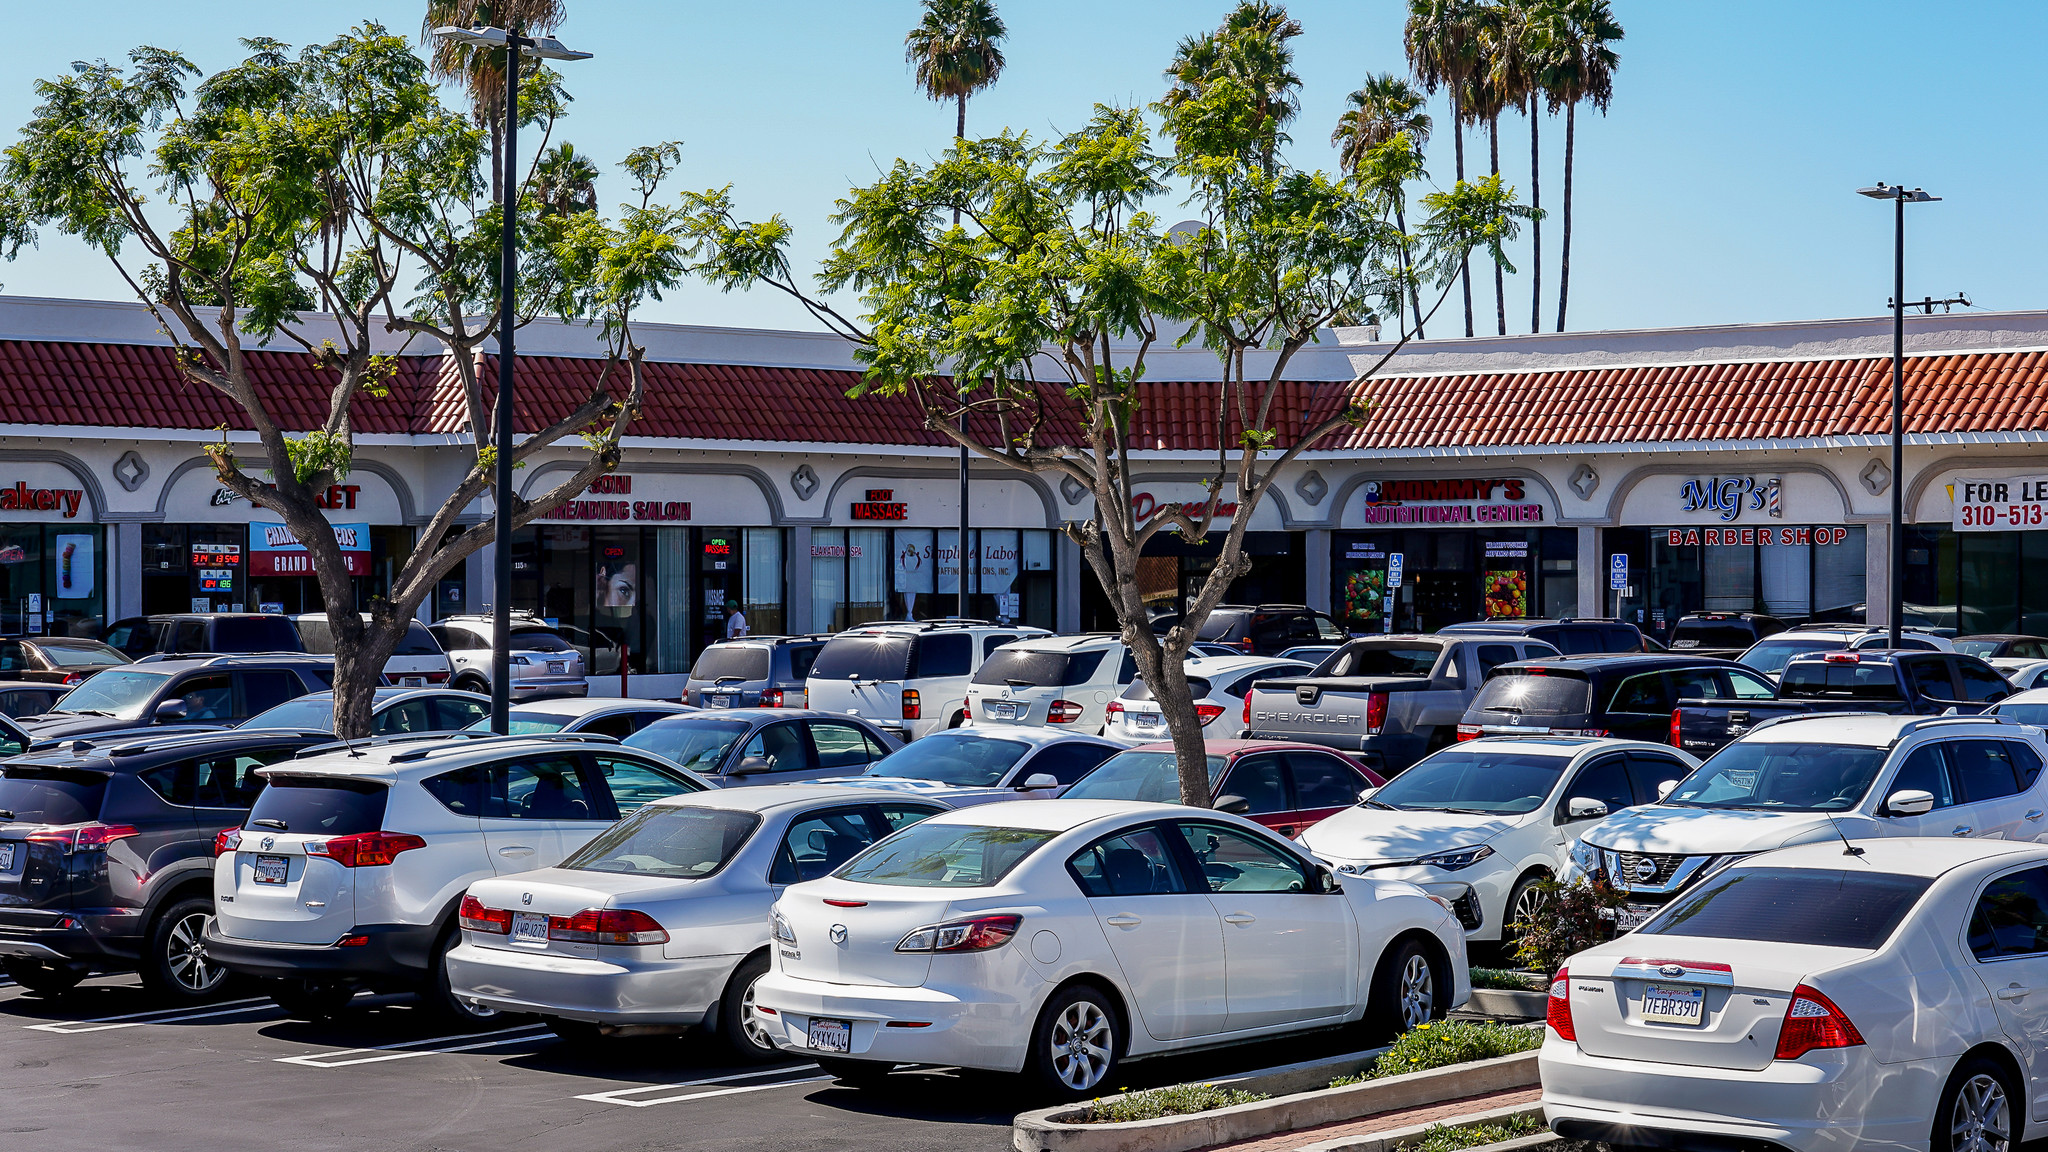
[(526, 897), (270, 841), (837, 933), (1671, 970)]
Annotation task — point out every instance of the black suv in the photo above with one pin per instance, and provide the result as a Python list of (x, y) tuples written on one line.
[(1266, 629), (1630, 697), (1569, 636), (753, 672), (1723, 634), (222, 690), (106, 853), (172, 633)]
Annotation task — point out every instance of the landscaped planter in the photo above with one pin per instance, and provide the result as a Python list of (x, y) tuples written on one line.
[(1064, 1128), (1508, 1004)]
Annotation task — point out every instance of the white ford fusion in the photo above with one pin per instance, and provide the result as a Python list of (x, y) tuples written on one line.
[(1480, 823), (1058, 938), (1891, 994)]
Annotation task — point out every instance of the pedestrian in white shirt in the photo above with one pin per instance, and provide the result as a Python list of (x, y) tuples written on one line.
[(735, 624)]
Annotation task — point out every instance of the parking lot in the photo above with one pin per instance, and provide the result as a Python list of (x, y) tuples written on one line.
[(107, 1061)]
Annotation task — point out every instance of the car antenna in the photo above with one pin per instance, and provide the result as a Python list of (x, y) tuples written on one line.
[(1848, 849)]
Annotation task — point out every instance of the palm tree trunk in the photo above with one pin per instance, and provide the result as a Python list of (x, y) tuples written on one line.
[(1458, 137), (960, 136), (1536, 220), (1500, 291), (1408, 265), (1564, 266)]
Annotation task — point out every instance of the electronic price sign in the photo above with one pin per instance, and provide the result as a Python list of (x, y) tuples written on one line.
[(216, 555)]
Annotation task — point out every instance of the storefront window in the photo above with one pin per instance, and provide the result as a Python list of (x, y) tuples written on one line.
[(864, 574), (1783, 571), (53, 579), (762, 567), (1452, 575)]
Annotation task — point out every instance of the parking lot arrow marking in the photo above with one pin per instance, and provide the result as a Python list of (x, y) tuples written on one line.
[(618, 1095), (157, 1016), (406, 1050)]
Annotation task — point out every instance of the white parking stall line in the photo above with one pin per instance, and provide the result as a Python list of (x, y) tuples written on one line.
[(793, 1076), (406, 1050), (159, 1016)]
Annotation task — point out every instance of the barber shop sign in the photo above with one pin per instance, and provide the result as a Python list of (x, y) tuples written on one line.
[(1729, 497)]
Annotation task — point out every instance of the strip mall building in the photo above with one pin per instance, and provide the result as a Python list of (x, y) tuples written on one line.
[(1735, 468)]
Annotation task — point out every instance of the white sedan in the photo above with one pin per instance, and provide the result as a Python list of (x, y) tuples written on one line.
[(1059, 937), (1481, 822), (661, 923), (1889, 993), (1220, 685)]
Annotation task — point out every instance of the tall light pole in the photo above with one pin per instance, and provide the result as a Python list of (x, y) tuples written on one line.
[(1900, 197), (513, 45)]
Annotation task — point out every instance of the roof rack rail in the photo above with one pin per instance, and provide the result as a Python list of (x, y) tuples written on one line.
[(468, 737), (1802, 716), (1913, 726), (135, 741)]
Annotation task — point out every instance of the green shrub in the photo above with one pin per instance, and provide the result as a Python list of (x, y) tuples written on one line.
[(1441, 1139), (1506, 978), (1177, 1100), (1572, 918), (1443, 1043)]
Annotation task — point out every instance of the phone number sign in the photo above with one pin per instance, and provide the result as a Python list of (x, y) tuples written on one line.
[(2001, 505)]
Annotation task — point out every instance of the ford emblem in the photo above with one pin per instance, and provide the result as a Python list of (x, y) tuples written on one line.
[(526, 897), (1671, 970), (837, 933)]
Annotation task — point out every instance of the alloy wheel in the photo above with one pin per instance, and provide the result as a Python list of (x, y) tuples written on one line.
[(1528, 902), (185, 955), (1981, 1120), (750, 1021), (1418, 991), (1082, 1043)]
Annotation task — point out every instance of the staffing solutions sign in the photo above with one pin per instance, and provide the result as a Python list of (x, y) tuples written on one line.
[(1999, 505)]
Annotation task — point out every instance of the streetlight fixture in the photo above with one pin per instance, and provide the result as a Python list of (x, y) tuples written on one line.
[(1900, 197), (514, 46)]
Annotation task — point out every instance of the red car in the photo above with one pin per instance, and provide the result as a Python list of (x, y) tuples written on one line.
[(1284, 785)]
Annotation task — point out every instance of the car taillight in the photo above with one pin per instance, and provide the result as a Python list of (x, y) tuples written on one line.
[(74, 678), (607, 926), (1469, 731), (978, 934), (1375, 712), (1247, 711), (477, 918), (364, 849), (437, 677), (1062, 712), (1812, 1021), (913, 708), (1843, 658), (225, 841), (93, 837), (1114, 710), (1558, 1013), (772, 698), (1674, 729), (1208, 712)]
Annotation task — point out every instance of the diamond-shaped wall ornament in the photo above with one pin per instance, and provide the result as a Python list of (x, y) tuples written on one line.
[(804, 481), (131, 470), (1876, 476), (1072, 489), (1585, 481), (1312, 487)]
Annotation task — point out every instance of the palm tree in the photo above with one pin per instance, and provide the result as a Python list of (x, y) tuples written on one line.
[(1250, 47), (1441, 38), (1516, 65), (1383, 111), (565, 182), (480, 72), (1577, 64), (955, 52)]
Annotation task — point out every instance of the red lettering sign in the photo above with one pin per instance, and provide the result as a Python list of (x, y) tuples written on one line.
[(22, 498), (338, 496), (612, 484), (881, 495), (880, 510)]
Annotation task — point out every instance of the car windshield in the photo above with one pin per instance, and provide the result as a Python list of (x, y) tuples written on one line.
[(944, 856), (666, 840), (1861, 680), (81, 654), (1782, 776), (696, 744), (1479, 781), (1982, 649), (1771, 656), (731, 662), (1826, 907), (322, 805), (1139, 690), (1382, 658), (956, 756), (1710, 634), (417, 641), (2034, 714), (526, 722), (35, 795), (1536, 692), (1150, 776), (116, 692), (313, 712), (863, 658), (538, 640), (255, 634), (1023, 666)]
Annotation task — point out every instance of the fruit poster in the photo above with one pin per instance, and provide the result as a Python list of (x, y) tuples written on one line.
[(1507, 593), (1364, 595)]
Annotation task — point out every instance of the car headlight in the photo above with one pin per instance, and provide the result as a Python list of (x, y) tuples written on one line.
[(1456, 858), (1585, 857)]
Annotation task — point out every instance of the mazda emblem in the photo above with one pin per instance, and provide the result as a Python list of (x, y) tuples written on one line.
[(1671, 970), (526, 897), (837, 933)]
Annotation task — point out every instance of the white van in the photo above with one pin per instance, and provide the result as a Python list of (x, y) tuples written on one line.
[(417, 662)]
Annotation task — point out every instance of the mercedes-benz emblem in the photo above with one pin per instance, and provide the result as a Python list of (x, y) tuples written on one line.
[(270, 841), (1671, 970), (526, 897), (837, 933)]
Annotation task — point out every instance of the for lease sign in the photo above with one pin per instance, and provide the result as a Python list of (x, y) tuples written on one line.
[(1999, 505)]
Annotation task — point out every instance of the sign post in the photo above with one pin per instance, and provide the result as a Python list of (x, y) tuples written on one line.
[(1395, 562), (1617, 578)]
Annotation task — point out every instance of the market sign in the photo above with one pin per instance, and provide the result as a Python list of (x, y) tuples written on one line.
[(1449, 501), (2001, 505), (275, 551)]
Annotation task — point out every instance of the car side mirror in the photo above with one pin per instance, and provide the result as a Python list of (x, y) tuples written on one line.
[(1235, 805), (171, 711), (1038, 780), (1909, 802), (750, 766), (1365, 794), (1584, 808), (1665, 788), (1326, 881)]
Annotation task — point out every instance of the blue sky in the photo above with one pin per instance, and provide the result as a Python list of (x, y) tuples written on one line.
[(1720, 188)]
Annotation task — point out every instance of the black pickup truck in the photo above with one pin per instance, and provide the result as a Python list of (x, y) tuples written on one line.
[(1891, 680)]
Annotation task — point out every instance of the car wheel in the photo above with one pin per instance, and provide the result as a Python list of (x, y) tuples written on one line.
[(1976, 1112), (176, 964), (312, 999), (475, 684), (1075, 1046), (1525, 900), (1405, 990), (441, 997), (744, 1034), (573, 1031), (41, 976), (854, 1073), (959, 718)]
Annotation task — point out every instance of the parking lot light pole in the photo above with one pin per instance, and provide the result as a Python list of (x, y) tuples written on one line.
[(514, 46), (1900, 197)]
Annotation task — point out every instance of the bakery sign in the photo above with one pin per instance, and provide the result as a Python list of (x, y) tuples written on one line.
[(1447, 501), (274, 550)]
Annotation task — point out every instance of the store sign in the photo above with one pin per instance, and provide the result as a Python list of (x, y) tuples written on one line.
[(2002, 505), (1450, 501), (625, 511), (1730, 496), (22, 498), (1145, 506), (1753, 537), (881, 504), (342, 496), (275, 551)]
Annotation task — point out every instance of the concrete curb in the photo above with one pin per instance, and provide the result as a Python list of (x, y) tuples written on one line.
[(1395, 1137), (1509, 1003), (1055, 1129)]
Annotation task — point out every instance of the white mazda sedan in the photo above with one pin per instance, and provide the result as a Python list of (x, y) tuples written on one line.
[(1058, 938), (1885, 993)]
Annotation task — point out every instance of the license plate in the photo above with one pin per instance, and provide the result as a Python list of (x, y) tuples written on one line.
[(557, 667), (1632, 917), (6, 857), (272, 869), (720, 702), (1145, 719), (831, 1035), (412, 681), (530, 927), (1665, 1004), (1001, 710)]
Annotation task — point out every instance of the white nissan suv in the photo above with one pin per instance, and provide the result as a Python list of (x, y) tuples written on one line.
[(907, 678), (352, 864)]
